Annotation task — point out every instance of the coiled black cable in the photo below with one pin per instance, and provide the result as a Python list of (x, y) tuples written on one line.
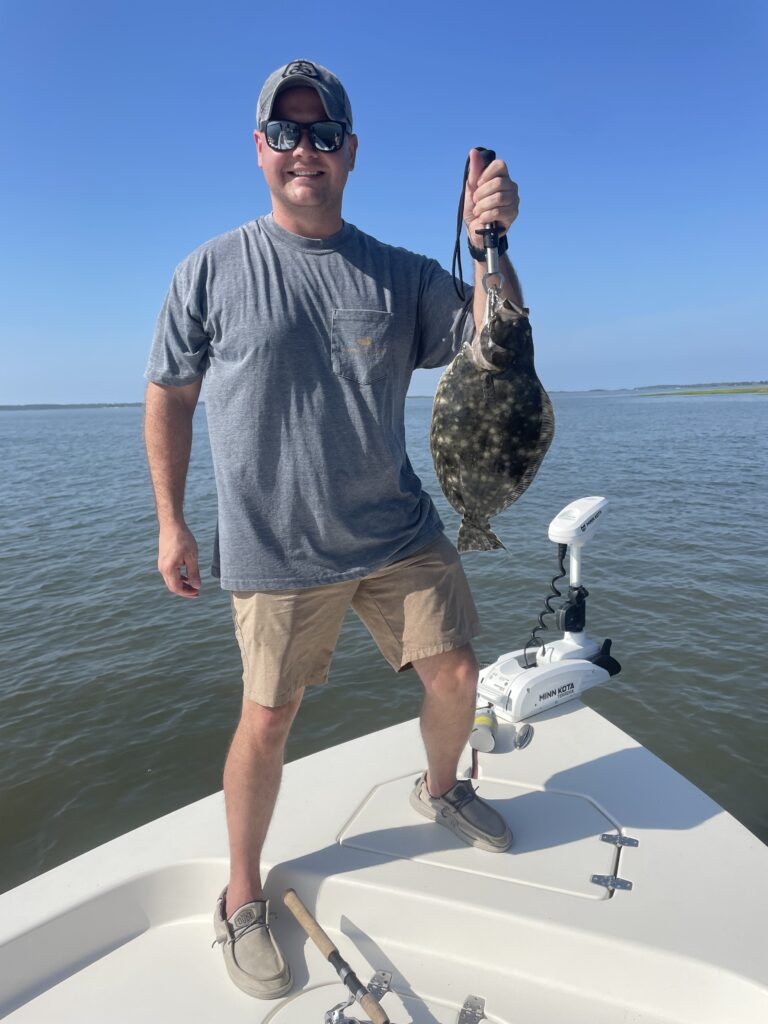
[(548, 609)]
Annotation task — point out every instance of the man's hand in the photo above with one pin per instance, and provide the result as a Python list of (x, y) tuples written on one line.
[(490, 196), (178, 550)]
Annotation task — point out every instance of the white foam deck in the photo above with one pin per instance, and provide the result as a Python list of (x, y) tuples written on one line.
[(124, 932)]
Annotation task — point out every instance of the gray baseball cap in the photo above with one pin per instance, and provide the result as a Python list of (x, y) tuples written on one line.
[(306, 73)]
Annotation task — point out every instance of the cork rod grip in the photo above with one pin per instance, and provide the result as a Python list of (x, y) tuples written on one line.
[(308, 923), (372, 1007)]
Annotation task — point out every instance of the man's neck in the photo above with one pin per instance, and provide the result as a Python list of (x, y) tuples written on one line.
[(303, 223)]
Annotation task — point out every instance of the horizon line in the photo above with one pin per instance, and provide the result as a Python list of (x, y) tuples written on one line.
[(554, 391)]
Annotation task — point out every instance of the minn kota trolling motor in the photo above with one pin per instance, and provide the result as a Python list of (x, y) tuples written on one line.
[(545, 674)]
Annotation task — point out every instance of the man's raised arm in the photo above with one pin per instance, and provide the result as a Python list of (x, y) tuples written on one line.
[(490, 196), (168, 413)]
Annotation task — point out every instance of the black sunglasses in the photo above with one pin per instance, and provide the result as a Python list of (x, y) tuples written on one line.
[(327, 136)]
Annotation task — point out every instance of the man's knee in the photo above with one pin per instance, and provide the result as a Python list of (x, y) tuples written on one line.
[(453, 671), (268, 726)]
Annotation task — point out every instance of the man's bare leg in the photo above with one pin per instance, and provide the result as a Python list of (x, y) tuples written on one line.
[(252, 776), (450, 692), (448, 711)]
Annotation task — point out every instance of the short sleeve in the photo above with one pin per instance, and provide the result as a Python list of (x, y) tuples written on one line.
[(445, 322), (179, 353)]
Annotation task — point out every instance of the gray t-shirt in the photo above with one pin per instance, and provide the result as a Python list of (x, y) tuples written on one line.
[(307, 346)]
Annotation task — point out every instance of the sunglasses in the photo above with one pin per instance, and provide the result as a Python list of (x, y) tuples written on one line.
[(326, 136)]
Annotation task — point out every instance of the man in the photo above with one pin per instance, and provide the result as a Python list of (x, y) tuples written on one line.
[(307, 331)]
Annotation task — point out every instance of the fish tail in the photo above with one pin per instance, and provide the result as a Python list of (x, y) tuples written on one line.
[(477, 537)]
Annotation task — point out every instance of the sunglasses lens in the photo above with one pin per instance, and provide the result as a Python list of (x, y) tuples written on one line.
[(282, 135), (327, 136)]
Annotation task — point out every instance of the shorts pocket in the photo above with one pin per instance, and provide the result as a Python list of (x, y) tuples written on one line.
[(360, 344)]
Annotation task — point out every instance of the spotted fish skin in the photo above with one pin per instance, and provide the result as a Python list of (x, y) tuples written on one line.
[(492, 423)]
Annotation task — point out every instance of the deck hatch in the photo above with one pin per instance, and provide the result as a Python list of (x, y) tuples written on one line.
[(556, 842)]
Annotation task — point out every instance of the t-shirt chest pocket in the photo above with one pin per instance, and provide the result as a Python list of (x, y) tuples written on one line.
[(361, 341)]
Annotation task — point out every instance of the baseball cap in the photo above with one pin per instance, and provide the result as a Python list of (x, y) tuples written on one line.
[(306, 73)]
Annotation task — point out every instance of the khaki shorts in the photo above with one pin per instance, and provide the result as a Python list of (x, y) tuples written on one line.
[(419, 606)]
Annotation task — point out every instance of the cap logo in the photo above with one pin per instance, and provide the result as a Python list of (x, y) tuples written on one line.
[(301, 67)]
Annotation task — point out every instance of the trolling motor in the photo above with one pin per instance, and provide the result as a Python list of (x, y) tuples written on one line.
[(527, 682)]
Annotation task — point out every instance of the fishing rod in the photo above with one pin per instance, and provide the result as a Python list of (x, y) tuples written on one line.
[(357, 989), (472, 1011)]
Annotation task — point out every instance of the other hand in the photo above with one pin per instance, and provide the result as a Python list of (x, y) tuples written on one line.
[(178, 562), (490, 195)]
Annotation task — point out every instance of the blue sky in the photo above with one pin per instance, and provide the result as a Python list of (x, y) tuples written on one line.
[(635, 131)]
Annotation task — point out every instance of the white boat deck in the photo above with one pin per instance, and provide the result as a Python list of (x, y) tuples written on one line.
[(124, 932)]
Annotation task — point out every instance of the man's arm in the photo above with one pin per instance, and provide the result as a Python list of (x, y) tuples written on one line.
[(510, 289), (490, 196), (168, 413)]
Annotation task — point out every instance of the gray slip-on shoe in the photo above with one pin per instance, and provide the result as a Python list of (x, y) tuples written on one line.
[(467, 815), (252, 956)]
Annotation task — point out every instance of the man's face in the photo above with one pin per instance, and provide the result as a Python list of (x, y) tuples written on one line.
[(305, 178)]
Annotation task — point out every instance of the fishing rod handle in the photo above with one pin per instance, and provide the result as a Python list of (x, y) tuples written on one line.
[(308, 923), (367, 1001)]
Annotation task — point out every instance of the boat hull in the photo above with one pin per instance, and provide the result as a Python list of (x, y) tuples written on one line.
[(124, 932)]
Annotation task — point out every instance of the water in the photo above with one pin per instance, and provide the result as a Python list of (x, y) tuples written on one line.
[(117, 700)]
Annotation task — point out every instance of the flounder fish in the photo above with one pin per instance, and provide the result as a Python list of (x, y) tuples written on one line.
[(492, 423)]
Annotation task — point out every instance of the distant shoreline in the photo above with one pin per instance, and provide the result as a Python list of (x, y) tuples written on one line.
[(757, 389), (650, 391), (69, 405)]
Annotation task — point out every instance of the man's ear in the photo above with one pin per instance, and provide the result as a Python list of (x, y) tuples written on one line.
[(258, 138), (352, 150)]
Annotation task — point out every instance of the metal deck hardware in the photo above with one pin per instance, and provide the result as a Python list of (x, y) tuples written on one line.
[(524, 736), (380, 983), (473, 1011), (612, 882), (618, 840)]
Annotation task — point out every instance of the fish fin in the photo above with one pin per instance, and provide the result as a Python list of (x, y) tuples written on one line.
[(476, 537)]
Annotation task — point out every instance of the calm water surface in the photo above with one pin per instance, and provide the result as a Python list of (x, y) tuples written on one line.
[(117, 700)]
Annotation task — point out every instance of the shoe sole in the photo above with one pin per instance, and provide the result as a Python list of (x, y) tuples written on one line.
[(451, 822)]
